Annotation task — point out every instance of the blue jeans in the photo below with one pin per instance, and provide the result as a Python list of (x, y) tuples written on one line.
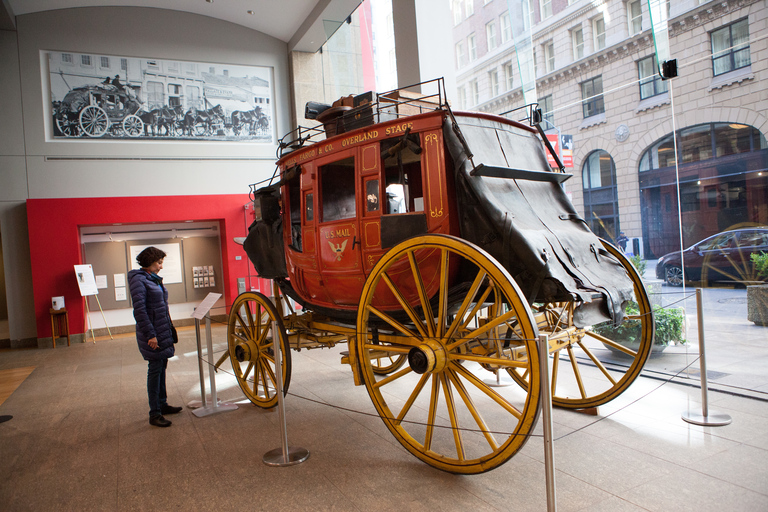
[(156, 386)]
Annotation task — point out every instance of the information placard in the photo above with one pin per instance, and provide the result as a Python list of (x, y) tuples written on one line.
[(86, 280), (206, 305)]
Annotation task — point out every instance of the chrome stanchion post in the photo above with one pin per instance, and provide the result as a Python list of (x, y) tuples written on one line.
[(285, 455), (705, 418), (546, 406), (200, 365)]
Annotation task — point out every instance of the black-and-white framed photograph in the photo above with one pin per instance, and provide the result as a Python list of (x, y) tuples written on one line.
[(112, 97)]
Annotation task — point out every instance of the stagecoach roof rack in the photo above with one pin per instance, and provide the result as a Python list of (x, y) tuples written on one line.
[(353, 112)]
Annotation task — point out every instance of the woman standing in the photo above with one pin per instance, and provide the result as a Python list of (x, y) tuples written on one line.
[(153, 330)]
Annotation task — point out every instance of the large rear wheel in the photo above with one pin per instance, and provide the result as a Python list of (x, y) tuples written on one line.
[(593, 365), (438, 406)]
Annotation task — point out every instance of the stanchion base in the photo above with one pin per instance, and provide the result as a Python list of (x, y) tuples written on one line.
[(711, 420), (501, 383), (295, 456), (209, 409)]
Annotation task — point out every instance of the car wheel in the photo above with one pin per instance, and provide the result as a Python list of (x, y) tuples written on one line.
[(673, 275)]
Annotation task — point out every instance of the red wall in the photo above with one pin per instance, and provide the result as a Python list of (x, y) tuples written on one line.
[(54, 241)]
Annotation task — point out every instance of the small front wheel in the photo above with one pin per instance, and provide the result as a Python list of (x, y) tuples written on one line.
[(251, 338)]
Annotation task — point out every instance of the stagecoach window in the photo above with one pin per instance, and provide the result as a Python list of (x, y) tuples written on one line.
[(372, 195), (402, 175), (310, 207), (337, 185), (294, 203)]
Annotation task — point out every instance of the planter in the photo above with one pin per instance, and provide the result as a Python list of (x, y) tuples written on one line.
[(670, 328), (757, 304)]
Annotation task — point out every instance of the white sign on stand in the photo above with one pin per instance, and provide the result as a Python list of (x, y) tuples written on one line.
[(86, 281), (200, 312)]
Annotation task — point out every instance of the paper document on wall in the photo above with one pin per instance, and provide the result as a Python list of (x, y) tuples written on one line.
[(101, 282)]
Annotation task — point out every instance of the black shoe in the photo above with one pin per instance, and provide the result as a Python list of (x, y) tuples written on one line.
[(159, 421), (169, 409)]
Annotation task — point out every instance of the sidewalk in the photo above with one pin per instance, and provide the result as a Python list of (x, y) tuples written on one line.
[(736, 349)]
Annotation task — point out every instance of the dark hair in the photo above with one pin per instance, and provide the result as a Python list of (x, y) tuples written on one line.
[(149, 255)]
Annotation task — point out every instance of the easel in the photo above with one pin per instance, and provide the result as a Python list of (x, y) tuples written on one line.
[(86, 281)]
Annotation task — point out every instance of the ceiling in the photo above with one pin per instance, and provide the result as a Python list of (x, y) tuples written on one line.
[(304, 24)]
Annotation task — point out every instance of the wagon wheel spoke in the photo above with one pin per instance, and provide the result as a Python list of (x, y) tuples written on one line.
[(426, 307), (454, 423)]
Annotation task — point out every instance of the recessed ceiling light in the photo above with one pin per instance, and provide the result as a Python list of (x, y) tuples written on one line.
[(209, 1), (251, 12)]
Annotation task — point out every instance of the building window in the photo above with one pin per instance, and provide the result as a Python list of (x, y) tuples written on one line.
[(703, 142), (577, 36), (470, 6), (730, 47), (104, 62), (635, 17), (506, 27), (508, 76), (193, 97), (651, 83), (601, 205), (461, 57), (456, 12), (155, 95), (493, 79), (462, 97), (490, 35), (592, 97), (124, 64), (85, 60), (549, 56), (598, 31), (66, 58), (545, 104), (472, 48), (174, 95), (475, 91), (546, 9)]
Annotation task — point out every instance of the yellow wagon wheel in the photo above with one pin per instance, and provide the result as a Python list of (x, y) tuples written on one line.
[(592, 366), (251, 348), (438, 406)]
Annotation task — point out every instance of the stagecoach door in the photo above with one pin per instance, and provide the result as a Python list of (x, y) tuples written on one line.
[(338, 229)]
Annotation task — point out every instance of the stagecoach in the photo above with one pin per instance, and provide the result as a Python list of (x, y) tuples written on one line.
[(438, 245), (93, 110)]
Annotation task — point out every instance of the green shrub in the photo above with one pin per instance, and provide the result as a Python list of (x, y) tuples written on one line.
[(669, 327), (760, 261), (639, 264)]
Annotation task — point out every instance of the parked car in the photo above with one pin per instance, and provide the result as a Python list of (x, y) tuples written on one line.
[(721, 257)]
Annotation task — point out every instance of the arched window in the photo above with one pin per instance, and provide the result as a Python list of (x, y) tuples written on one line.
[(601, 204), (722, 182)]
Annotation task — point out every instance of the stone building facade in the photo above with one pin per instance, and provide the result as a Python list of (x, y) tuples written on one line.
[(595, 81)]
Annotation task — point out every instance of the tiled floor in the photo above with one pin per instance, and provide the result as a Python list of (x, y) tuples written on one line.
[(79, 440)]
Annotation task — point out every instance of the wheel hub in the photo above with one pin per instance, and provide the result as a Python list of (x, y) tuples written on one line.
[(428, 357), (246, 351)]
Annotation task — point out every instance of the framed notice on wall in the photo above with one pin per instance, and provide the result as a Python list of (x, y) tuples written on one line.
[(171, 272)]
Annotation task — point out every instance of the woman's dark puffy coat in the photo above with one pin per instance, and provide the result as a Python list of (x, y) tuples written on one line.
[(150, 309)]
